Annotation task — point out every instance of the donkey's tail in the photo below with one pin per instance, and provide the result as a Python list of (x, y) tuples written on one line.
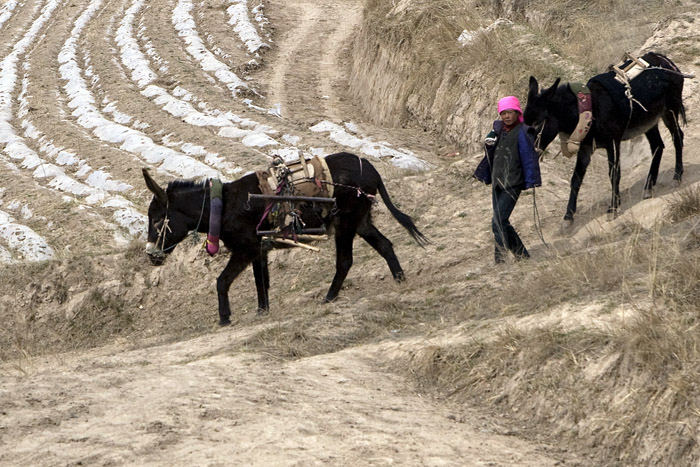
[(404, 219), (667, 64), (681, 114)]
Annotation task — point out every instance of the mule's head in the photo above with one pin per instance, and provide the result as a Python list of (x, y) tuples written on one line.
[(537, 112), (167, 225)]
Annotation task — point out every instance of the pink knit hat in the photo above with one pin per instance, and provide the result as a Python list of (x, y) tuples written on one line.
[(510, 103)]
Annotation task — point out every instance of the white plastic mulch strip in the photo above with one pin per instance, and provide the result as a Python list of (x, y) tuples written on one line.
[(260, 18), (6, 11), (28, 244), (130, 140), (180, 103), (8, 73), (404, 158), (131, 54), (99, 182), (187, 29), (243, 27)]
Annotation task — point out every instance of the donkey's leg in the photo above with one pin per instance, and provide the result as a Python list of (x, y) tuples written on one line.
[(671, 121), (379, 242), (657, 149), (583, 159), (613, 148), (262, 283), (236, 264), (344, 235)]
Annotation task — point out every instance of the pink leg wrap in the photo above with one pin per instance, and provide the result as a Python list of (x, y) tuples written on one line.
[(212, 245)]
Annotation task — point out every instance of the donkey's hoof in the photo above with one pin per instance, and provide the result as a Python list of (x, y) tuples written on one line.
[(647, 194), (612, 215), (566, 224), (676, 182), (329, 300), (263, 311), (400, 277), (224, 322)]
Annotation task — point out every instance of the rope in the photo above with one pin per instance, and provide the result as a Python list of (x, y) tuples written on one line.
[(536, 218), (160, 251), (359, 190), (195, 232), (538, 138), (628, 86), (165, 228)]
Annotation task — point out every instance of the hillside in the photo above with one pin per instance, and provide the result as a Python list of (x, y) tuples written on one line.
[(586, 355)]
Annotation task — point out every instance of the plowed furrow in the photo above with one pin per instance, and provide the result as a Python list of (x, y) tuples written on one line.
[(86, 108), (118, 86), (162, 99), (16, 153), (15, 18)]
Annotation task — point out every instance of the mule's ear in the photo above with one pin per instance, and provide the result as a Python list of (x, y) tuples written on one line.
[(159, 193)]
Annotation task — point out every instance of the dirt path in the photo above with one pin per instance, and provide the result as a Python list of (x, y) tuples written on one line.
[(207, 402), (307, 75)]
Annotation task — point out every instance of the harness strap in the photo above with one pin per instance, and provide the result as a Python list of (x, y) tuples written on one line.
[(161, 233)]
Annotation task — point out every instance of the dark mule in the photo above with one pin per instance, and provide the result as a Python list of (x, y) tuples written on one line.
[(184, 207), (658, 89)]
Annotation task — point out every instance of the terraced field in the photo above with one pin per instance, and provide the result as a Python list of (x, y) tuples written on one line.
[(94, 91)]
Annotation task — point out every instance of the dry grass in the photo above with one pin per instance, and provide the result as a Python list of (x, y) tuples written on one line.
[(579, 32), (618, 390), (684, 204)]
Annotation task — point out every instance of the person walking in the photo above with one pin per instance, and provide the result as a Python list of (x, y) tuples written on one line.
[(510, 165)]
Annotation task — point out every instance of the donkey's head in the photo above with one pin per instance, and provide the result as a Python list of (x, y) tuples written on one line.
[(538, 113), (168, 223)]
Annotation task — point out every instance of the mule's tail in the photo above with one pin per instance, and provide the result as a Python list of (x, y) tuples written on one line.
[(403, 219)]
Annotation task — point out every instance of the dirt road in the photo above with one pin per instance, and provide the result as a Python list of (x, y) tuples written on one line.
[(208, 402)]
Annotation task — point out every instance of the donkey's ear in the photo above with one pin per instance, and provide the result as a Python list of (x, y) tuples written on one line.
[(159, 193), (549, 92), (534, 86), (554, 87)]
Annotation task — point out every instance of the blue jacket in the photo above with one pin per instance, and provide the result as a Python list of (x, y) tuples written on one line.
[(528, 157)]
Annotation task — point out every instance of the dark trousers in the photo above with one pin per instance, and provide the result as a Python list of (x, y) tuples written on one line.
[(504, 201)]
